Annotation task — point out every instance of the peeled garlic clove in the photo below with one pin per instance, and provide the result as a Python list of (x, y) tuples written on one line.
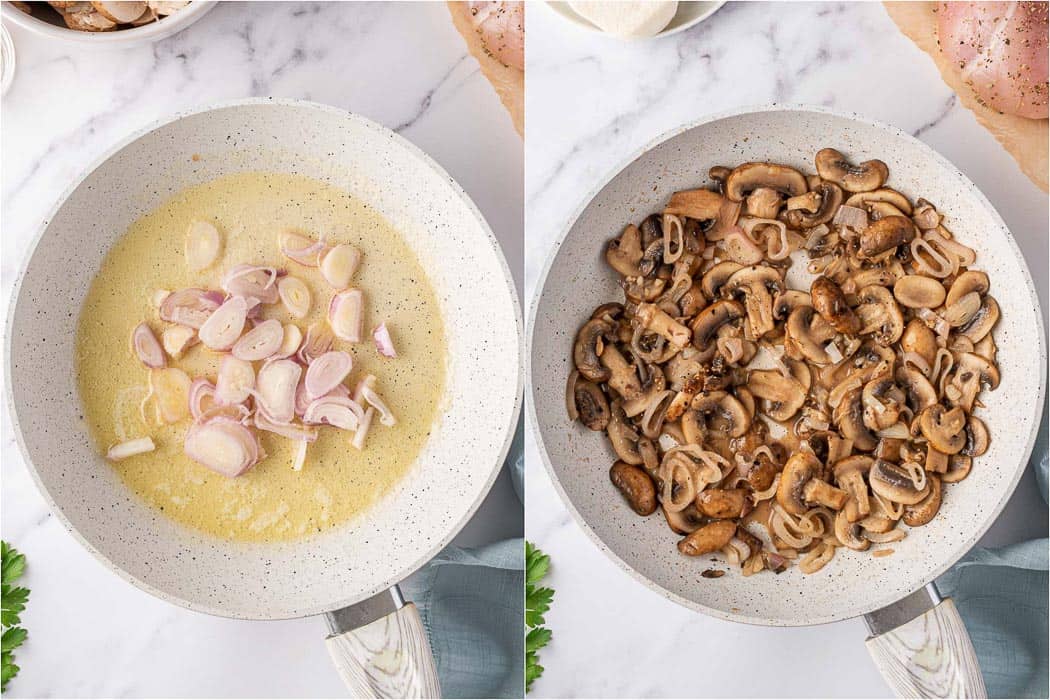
[(346, 315), (293, 431), (339, 264), (177, 339), (171, 389), (146, 347), (260, 342), (236, 380), (224, 446), (202, 397), (203, 243), (190, 307), (327, 372), (293, 338), (130, 449), (295, 296), (345, 414), (384, 344), (275, 389), (252, 281), (224, 326), (318, 341), (300, 248)]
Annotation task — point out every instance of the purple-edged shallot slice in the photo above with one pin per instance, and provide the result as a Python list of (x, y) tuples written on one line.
[(190, 307), (318, 341), (361, 433), (224, 446), (346, 315), (338, 265), (300, 248), (224, 326), (295, 296), (202, 397), (252, 281), (177, 339), (368, 393), (130, 449), (328, 371), (260, 342), (384, 344), (203, 244), (235, 382), (335, 411), (275, 389), (292, 431), (146, 347), (170, 388), (293, 338)]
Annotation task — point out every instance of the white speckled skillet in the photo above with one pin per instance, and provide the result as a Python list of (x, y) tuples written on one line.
[(577, 279), (362, 559)]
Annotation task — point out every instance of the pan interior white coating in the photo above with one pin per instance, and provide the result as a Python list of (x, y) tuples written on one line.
[(459, 461), (577, 280)]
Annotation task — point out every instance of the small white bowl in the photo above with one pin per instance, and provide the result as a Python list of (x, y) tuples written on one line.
[(120, 38), (690, 13)]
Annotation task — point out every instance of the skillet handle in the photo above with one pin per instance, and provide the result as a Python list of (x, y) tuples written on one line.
[(925, 654), (388, 657)]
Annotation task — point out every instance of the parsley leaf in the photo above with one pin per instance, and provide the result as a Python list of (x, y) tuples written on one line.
[(13, 598), (537, 602)]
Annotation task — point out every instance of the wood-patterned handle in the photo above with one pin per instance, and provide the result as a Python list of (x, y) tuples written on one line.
[(929, 657), (388, 658)]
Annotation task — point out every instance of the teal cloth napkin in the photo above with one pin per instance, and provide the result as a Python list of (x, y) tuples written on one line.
[(472, 602), (1002, 597)]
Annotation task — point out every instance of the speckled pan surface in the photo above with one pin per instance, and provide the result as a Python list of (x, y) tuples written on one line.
[(458, 463), (577, 279)]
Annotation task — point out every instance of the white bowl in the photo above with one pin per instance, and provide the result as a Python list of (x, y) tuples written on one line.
[(689, 13), (120, 38)]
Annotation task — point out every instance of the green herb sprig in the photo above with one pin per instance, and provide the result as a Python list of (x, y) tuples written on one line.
[(12, 565), (537, 602)]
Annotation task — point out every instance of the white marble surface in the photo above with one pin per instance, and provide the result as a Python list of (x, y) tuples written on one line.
[(90, 633), (592, 101)]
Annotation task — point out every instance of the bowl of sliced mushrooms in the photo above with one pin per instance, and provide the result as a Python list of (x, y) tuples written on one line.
[(796, 350), (114, 23)]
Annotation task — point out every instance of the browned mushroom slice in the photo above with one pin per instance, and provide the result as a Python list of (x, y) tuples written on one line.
[(969, 282), (907, 483), (623, 376), (636, 486), (865, 200), (799, 470), (728, 408), (830, 303), (784, 396), (945, 429), (919, 339), (657, 320), (709, 538), (622, 436), (919, 292), (754, 284), (763, 202), (591, 405), (918, 389), (879, 315), (924, 511), (835, 167), (748, 177), (624, 254), (829, 196), (707, 322), (970, 373), (958, 468), (123, 12), (820, 492), (849, 475), (982, 322), (715, 278), (884, 235), (683, 521), (700, 204), (724, 503), (850, 533), (883, 402), (806, 334), (849, 417), (977, 438), (587, 348)]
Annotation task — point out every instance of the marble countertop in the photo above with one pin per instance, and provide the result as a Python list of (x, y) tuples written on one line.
[(592, 101), (90, 633)]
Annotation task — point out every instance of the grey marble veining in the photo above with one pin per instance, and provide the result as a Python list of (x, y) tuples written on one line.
[(593, 101)]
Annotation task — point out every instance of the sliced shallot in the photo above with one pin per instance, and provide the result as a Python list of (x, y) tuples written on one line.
[(260, 342), (190, 307), (224, 326), (384, 344), (327, 371), (338, 412), (362, 430), (202, 397), (275, 389), (145, 345), (224, 446), (177, 339), (300, 248), (293, 431), (300, 456), (385, 416), (339, 264), (295, 296), (130, 449), (293, 338), (235, 382), (252, 281), (318, 341), (158, 297), (203, 243), (346, 315), (171, 389)]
